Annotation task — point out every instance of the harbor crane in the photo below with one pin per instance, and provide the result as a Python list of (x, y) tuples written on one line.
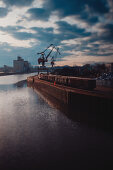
[(44, 57)]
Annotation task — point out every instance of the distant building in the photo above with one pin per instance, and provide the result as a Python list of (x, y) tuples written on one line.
[(21, 66), (26, 66), (7, 69)]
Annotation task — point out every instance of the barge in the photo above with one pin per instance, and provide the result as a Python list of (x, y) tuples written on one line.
[(85, 101), (76, 82)]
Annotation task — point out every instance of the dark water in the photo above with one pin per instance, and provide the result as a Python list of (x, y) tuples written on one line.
[(34, 135)]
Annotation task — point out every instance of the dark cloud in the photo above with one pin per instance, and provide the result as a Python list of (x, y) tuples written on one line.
[(67, 32), (109, 31), (23, 35), (66, 7), (87, 10), (39, 13), (11, 29), (73, 7), (71, 31), (40, 29), (18, 2), (42, 34), (3, 12), (98, 6), (46, 35), (90, 19), (14, 31), (107, 34)]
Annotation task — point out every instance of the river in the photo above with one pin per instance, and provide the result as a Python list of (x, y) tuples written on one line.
[(35, 135)]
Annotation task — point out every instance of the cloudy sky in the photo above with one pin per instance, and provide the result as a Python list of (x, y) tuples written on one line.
[(83, 30)]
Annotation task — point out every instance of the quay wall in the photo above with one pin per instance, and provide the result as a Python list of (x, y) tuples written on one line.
[(50, 89)]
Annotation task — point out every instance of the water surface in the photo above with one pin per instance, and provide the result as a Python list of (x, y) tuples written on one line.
[(34, 135)]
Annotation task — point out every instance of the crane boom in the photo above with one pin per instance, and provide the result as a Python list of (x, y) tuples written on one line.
[(50, 52), (45, 49)]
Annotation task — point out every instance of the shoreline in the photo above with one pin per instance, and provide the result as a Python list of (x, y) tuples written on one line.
[(8, 74)]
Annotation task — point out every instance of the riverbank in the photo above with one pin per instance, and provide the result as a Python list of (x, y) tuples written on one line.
[(7, 74)]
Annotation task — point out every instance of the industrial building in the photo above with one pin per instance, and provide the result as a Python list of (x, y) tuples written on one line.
[(21, 66)]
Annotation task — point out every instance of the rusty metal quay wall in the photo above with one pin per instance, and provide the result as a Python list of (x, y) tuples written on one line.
[(52, 90), (83, 104)]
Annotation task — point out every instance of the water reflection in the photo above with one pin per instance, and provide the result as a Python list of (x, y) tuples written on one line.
[(8, 87), (12, 79), (78, 112), (35, 135)]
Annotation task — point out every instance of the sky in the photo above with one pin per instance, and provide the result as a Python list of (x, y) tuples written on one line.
[(82, 29)]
